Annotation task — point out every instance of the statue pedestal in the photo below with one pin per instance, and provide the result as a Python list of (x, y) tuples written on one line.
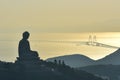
[(28, 58), (29, 63)]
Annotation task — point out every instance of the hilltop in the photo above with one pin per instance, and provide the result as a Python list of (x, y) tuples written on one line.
[(46, 71), (75, 60), (113, 58)]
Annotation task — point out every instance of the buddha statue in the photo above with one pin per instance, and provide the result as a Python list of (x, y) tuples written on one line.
[(24, 49)]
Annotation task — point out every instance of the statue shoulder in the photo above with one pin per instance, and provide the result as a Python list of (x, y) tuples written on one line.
[(23, 42)]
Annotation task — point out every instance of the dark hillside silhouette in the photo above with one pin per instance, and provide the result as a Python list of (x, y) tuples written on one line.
[(109, 71)]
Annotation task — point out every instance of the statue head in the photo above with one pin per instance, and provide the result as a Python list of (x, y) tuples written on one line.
[(26, 35)]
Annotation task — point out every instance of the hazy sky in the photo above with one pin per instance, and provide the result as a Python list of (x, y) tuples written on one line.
[(70, 18), (59, 15)]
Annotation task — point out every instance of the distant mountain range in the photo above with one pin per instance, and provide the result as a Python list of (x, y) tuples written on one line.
[(78, 60)]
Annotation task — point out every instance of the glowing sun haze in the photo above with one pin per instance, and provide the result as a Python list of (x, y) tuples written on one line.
[(59, 20)]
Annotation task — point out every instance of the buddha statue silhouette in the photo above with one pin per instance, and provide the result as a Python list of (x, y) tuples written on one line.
[(24, 47)]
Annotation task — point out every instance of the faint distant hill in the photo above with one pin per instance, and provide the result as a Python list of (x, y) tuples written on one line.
[(78, 60), (113, 58), (75, 60), (112, 72)]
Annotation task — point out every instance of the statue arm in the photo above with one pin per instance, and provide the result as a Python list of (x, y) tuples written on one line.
[(28, 46)]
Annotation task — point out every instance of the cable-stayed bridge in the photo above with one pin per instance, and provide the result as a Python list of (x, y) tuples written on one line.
[(92, 41)]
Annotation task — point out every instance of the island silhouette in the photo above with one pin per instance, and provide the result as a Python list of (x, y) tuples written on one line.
[(29, 66)]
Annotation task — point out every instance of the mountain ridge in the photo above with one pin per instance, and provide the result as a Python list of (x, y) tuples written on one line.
[(79, 60), (71, 60), (112, 58)]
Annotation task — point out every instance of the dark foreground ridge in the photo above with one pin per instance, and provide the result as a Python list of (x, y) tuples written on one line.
[(42, 71), (110, 72), (29, 66)]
